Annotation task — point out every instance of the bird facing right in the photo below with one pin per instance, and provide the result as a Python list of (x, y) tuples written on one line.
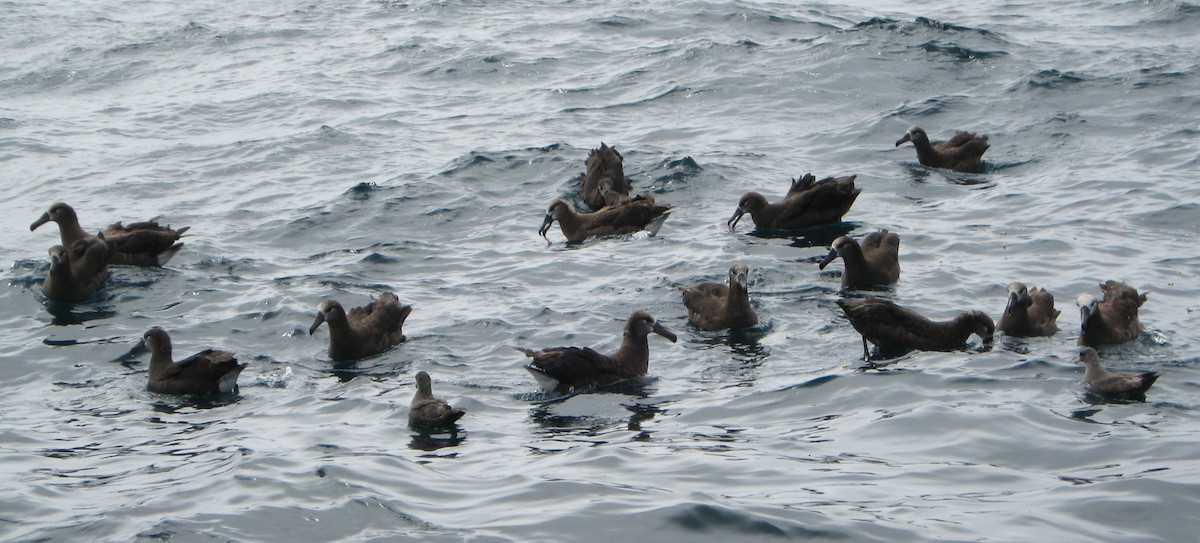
[(890, 327)]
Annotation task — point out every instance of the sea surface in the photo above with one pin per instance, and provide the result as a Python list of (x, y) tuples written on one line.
[(340, 149)]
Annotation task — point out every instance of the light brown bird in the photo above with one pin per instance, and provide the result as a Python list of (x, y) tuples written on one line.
[(713, 306), (807, 202), (205, 373), (874, 262), (893, 327), (146, 244), (1029, 313), (560, 369), (633, 216), (963, 153), (1113, 319), (364, 331), (427, 411), (605, 166), (77, 273), (1113, 384)]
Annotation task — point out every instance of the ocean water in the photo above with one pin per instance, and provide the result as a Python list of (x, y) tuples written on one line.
[(345, 148)]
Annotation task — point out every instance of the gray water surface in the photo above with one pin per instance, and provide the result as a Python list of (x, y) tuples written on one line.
[(342, 149)]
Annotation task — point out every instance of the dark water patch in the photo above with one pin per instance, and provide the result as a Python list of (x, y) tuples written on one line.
[(619, 22), (670, 172), (673, 91), (711, 520), (426, 442), (959, 52), (821, 235), (928, 107), (1050, 79)]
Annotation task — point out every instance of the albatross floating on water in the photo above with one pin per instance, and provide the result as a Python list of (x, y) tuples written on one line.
[(713, 306), (364, 331), (559, 369), (963, 153), (808, 202), (876, 261)]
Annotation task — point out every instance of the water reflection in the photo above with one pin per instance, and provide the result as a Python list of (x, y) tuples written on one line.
[(67, 314), (747, 354), (172, 404), (590, 414), (823, 235), (432, 439), (370, 367), (820, 235)]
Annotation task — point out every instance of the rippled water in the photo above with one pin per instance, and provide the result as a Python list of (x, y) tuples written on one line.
[(340, 149)]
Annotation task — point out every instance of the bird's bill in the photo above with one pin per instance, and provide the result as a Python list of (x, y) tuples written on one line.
[(665, 332), (833, 254), (904, 139), (316, 323), (546, 227), (45, 218), (737, 216)]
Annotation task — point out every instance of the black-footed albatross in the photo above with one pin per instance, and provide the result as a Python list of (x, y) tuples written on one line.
[(364, 331), (205, 373), (876, 261), (1111, 383), (713, 306), (1111, 320), (559, 369), (77, 273), (146, 244), (427, 411), (963, 153), (891, 326), (807, 202), (603, 164), (1029, 313), (632, 216)]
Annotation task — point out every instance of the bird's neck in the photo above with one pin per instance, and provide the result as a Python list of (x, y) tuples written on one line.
[(634, 352), (70, 232)]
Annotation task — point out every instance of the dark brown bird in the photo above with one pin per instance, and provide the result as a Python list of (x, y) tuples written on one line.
[(560, 369), (963, 153), (1029, 313), (205, 373), (713, 306), (875, 262), (364, 331), (603, 164), (630, 217), (1114, 384), (77, 273), (807, 202), (426, 411), (1113, 319), (613, 198), (891, 327), (145, 244)]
